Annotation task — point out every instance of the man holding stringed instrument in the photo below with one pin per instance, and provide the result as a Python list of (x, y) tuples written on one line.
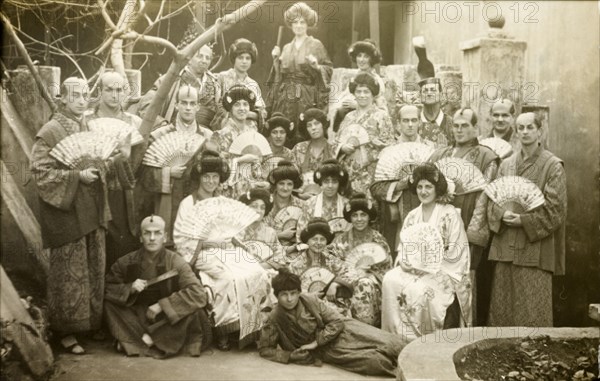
[(153, 299)]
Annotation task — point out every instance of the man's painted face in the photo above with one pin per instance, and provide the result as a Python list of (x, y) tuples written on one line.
[(76, 97), (430, 93), (188, 106), (502, 119), (153, 239), (409, 121), (527, 131), (113, 91), (463, 130), (200, 62)]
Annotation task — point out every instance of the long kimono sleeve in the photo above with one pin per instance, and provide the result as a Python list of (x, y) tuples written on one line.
[(334, 323), (116, 289), (545, 220), (478, 232), (457, 257), (268, 345), (56, 186), (323, 74), (188, 299)]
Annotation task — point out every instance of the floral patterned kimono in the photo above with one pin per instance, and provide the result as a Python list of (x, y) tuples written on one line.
[(366, 300), (264, 233), (270, 219), (362, 162), (308, 163), (318, 206), (415, 303)]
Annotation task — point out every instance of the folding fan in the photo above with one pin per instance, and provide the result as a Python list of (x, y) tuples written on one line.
[(338, 224), (354, 134), (258, 249), (214, 219), (515, 193), (250, 142), (365, 255), (286, 218), (501, 147), (398, 161), (271, 163), (421, 247), (465, 175), (309, 183), (315, 279), (173, 149), (116, 128), (83, 149)]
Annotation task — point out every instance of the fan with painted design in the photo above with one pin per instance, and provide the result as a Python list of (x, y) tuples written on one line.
[(309, 183), (173, 149), (501, 147), (287, 218), (338, 224), (365, 255), (116, 128), (250, 142), (398, 161), (84, 149), (354, 134), (464, 174), (421, 247), (316, 279), (515, 193), (258, 249)]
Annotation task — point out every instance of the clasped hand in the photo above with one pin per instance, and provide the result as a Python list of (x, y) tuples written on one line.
[(512, 219)]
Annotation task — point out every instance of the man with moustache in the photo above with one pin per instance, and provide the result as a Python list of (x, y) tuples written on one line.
[(503, 118), (528, 248)]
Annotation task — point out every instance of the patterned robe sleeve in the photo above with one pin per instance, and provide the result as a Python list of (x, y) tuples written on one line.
[(545, 220), (334, 323), (116, 289), (478, 231), (267, 345)]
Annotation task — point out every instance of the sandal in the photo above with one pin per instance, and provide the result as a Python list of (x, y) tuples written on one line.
[(71, 345)]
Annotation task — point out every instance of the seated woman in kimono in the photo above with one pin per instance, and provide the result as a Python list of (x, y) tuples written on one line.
[(329, 204), (279, 132), (418, 302), (311, 153), (284, 179), (366, 300), (361, 160), (302, 329)]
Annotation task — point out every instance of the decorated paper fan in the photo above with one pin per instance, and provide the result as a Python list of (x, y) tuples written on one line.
[(82, 149), (250, 142), (271, 163), (398, 161), (116, 128), (287, 218), (309, 183), (214, 219), (501, 147), (338, 224), (365, 255), (173, 149), (258, 249), (354, 134), (515, 193), (315, 279), (421, 247), (465, 175)]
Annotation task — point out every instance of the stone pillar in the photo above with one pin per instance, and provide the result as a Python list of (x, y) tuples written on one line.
[(26, 97), (493, 66)]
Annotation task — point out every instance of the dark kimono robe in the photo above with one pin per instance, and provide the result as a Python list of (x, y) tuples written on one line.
[(438, 131), (344, 342), (180, 300)]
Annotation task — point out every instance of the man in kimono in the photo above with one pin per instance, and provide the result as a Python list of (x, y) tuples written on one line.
[(467, 147), (528, 248), (73, 218), (121, 235), (153, 299), (302, 329), (503, 119)]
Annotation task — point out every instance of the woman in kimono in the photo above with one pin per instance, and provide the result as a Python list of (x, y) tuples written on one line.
[(366, 300), (365, 54), (240, 287), (315, 252), (362, 160), (302, 329), (242, 55), (284, 179), (239, 101), (416, 302), (302, 69), (308, 155), (279, 132), (329, 204)]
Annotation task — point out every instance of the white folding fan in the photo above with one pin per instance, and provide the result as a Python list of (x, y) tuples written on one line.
[(250, 142), (315, 279), (116, 128), (365, 255), (215, 219), (515, 193), (258, 249), (354, 134), (287, 218), (501, 147), (309, 183), (421, 247), (173, 149), (338, 224), (271, 163), (82, 149), (465, 175), (398, 161)]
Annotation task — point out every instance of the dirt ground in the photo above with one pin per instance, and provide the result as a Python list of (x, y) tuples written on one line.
[(101, 362)]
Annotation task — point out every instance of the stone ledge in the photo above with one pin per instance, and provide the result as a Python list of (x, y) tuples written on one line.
[(431, 357)]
